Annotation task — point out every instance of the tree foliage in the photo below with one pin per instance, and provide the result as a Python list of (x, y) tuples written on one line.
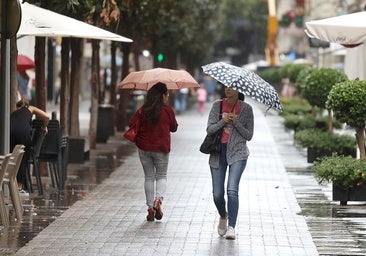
[(347, 100), (243, 27), (319, 83), (300, 82), (186, 28)]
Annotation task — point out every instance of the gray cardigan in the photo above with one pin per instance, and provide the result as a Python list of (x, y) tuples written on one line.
[(241, 132)]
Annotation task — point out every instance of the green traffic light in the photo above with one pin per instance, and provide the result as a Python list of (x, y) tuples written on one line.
[(160, 57)]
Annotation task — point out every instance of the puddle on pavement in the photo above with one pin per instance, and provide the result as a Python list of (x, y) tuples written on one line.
[(335, 229), (40, 211)]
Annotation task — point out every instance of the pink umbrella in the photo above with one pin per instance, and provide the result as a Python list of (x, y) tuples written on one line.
[(24, 63), (144, 80)]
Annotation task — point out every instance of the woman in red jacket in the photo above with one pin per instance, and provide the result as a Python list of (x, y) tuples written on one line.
[(157, 120)]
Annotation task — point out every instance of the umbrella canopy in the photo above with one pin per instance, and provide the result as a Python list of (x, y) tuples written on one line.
[(144, 80), (244, 81), (37, 21), (24, 63), (348, 30)]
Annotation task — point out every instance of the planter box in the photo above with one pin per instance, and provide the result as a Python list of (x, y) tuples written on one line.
[(314, 153), (356, 194), (76, 150)]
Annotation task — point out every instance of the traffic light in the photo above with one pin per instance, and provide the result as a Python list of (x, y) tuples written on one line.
[(160, 57)]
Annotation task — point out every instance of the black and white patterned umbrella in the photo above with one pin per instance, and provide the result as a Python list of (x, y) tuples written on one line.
[(244, 81)]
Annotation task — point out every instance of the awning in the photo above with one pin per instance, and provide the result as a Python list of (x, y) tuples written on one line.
[(37, 21), (348, 30)]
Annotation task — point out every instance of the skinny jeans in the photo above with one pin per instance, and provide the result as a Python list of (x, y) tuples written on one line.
[(218, 186), (155, 166)]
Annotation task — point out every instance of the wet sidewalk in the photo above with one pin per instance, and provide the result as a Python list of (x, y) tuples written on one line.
[(111, 219)]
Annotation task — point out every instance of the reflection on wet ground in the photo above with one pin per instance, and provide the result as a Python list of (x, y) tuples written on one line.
[(335, 229), (41, 211)]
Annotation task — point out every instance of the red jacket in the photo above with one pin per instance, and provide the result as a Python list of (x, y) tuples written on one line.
[(156, 137)]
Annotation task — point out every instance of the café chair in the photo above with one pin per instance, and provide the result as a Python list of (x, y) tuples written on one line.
[(10, 179), (35, 149), (3, 207)]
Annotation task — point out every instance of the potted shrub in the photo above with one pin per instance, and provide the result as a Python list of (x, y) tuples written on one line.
[(295, 105), (346, 99), (300, 81), (318, 84), (299, 122), (323, 143), (347, 174)]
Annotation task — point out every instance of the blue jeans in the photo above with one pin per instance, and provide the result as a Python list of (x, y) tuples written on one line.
[(155, 165), (218, 186)]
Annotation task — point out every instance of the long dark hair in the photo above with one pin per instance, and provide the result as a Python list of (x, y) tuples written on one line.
[(22, 104), (154, 102)]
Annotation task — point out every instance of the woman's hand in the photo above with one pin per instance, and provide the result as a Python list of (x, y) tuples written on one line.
[(232, 117), (229, 117), (226, 117), (45, 130)]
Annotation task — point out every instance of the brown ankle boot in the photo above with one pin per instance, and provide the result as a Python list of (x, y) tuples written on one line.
[(150, 215)]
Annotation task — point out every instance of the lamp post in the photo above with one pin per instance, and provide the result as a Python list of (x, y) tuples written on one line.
[(4, 83), (9, 27)]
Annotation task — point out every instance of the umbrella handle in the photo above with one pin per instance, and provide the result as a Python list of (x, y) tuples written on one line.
[(265, 113)]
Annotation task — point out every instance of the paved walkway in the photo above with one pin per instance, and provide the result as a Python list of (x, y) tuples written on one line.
[(112, 219)]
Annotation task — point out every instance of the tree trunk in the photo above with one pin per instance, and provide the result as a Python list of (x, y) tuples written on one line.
[(65, 85), (114, 82), (77, 52), (171, 60), (40, 87), (330, 121), (113, 85), (122, 120), (313, 111), (39, 59), (136, 55), (361, 142), (94, 94)]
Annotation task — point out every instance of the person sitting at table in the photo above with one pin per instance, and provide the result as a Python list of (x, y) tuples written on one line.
[(20, 133)]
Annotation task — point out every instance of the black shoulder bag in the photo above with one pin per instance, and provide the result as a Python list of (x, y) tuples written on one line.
[(212, 142)]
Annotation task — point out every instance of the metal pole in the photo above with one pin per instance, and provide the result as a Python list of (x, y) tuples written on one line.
[(4, 84)]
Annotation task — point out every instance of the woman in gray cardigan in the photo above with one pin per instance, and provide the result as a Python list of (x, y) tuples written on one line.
[(237, 123)]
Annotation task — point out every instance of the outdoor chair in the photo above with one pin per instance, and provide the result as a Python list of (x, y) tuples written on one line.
[(64, 152), (58, 163), (50, 151), (35, 149), (3, 207), (54, 152), (10, 179)]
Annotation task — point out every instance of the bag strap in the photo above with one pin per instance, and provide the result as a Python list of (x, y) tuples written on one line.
[(220, 115)]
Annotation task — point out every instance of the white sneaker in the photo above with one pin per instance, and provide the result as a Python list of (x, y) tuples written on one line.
[(222, 227), (230, 233)]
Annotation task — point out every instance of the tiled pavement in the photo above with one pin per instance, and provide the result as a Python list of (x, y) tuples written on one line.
[(111, 219)]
